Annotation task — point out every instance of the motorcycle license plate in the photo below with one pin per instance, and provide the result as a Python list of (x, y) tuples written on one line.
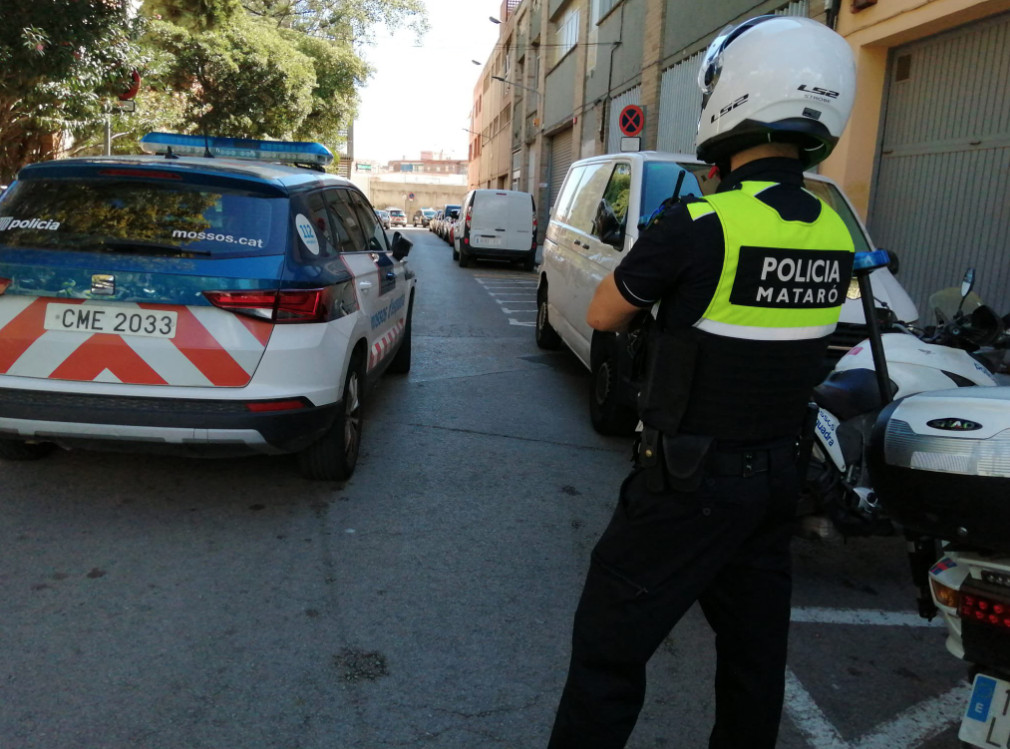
[(986, 721)]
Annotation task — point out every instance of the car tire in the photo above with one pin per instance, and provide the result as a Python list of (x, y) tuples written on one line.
[(334, 455), (455, 252), (401, 360), (547, 337), (607, 410), (464, 258), (18, 450)]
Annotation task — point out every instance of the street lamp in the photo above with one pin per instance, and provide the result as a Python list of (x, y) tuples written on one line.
[(517, 85)]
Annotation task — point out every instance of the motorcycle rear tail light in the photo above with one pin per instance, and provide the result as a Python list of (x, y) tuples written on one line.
[(985, 610)]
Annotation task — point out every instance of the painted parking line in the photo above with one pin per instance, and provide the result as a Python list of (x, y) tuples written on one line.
[(911, 727), (908, 728), (863, 617), (516, 297)]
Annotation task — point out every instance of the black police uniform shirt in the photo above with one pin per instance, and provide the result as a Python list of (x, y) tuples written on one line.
[(742, 387)]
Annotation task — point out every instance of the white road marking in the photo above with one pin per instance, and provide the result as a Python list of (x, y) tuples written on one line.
[(909, 728), (504, 292), (862, 617)]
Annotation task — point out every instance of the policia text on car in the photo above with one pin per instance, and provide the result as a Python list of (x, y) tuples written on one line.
[(750, 281)]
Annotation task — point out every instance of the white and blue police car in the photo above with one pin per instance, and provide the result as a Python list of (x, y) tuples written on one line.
[(216, 296)]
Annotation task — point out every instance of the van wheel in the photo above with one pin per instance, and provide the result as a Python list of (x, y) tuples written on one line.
[(464, 258), (547, 336), (334, 455), (530, 262), (607, 412), (18, 450), (401, 362)]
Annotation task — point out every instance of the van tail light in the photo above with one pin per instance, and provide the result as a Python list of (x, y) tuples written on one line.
[(469, 215), (280, 306), (534, 231), (4, 283)]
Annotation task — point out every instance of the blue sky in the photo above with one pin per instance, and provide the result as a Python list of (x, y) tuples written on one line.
[(419, 97)]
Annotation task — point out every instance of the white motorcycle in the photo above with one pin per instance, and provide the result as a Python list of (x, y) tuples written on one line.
[(838, 486), (940, 463)]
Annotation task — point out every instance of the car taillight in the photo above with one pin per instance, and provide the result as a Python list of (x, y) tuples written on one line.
[(4, 283), (985, 610), (279, 306), (534, 232)]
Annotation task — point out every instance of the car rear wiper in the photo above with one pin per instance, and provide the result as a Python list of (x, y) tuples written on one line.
[(144, 247)]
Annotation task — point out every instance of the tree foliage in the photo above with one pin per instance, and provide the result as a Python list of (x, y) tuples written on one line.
[(251, 68), (60, 63)]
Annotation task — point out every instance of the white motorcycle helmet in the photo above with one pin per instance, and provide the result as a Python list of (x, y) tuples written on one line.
[(775, 78)]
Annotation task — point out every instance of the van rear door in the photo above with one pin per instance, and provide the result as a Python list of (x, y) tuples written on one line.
[(502, 220)]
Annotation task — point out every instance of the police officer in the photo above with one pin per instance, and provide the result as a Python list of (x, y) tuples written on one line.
[(750, 281)]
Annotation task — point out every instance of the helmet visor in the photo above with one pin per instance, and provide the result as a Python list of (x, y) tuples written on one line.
[(711, 63)]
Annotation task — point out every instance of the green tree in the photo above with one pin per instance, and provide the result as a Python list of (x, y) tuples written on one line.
[(60, 65), (341, 20), (251, 68)]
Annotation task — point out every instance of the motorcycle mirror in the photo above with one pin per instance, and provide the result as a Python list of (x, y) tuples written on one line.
[(893, 265), (968, 282)]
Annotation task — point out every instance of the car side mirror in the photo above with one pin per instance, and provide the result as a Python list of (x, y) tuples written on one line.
[(401, 246)]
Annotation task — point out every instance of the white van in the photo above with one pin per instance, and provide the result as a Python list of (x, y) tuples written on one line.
[(496, 225), (603, 203)]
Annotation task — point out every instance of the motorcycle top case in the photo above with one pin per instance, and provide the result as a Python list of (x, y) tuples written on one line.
[(940, 464)]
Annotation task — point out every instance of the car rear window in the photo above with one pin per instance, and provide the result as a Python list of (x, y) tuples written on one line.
[(136, 216)]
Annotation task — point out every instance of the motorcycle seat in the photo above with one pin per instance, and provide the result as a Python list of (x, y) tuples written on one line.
[(850, 392)]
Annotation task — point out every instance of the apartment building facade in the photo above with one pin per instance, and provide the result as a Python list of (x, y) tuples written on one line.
[(925, 160)]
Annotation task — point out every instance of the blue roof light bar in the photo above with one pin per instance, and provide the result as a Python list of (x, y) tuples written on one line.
[(276, 151)]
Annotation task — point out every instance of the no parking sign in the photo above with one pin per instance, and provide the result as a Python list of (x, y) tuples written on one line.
[(631, 121)]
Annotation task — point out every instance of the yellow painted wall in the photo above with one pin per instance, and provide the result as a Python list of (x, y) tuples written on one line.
[(872, 33)]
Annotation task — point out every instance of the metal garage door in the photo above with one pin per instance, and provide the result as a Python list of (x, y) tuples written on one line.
[(561, 159), (942, 193)]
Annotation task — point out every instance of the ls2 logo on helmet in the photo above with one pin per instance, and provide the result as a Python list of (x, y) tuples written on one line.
[(817, 91), (730, 107)]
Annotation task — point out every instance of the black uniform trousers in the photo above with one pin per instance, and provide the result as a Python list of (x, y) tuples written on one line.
[(725, 545)]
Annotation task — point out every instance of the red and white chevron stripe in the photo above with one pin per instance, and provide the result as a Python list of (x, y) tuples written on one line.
[(211, 347), (385, 344)]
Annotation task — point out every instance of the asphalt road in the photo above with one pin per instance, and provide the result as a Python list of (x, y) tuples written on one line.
[(164, 603)]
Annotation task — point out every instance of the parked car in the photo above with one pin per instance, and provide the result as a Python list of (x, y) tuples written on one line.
[(196, 305), (422, 217), (383, 217), (449, 214), (603, 203), (397, 217), (434, 222), (496, 225)]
